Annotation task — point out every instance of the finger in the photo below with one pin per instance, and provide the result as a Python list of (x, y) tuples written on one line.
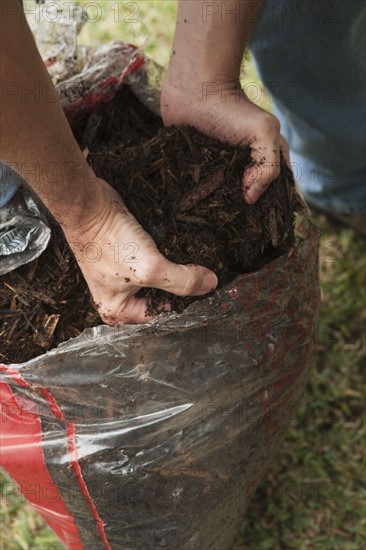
[(188, 280), (265, 152), (182, 280), (285, 148), (130, 310)]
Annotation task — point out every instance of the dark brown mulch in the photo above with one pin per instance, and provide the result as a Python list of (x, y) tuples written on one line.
[(184, 189)]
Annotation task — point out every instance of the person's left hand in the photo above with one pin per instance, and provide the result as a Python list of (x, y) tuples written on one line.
[(236, 120), (118, 258)]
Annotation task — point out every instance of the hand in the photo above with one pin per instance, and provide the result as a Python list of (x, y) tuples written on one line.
[(227, 115), (117, 258)]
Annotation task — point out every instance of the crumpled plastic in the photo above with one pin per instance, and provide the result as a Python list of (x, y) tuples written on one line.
[(56, 26), (109, 67), (24, 233), (155, 436)]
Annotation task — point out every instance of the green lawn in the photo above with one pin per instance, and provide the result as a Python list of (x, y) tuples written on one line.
[(314, 496)]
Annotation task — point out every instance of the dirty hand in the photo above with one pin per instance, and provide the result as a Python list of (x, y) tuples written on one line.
[(117, 258), (229, 116)]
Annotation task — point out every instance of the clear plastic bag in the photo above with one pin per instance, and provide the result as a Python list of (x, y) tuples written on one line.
[(56, 26), (109, 67), (24, 234), (155, 436)]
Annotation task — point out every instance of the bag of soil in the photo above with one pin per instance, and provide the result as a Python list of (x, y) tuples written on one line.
[(155, 436)]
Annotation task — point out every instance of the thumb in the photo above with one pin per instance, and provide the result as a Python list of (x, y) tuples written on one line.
[(186, 280)]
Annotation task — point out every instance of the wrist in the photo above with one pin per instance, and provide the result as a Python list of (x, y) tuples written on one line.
[(79, 211), (183, 101), (192, 76), (210, 40)]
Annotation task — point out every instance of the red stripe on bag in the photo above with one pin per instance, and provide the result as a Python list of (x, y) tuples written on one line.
[(93, 99), (57, 412), (22, 457), (82, 484)]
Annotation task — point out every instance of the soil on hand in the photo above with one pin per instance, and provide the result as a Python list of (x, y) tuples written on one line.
[(184, 189)]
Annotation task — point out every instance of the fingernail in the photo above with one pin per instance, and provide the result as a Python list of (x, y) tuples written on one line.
[(209, 282), (253, 194)]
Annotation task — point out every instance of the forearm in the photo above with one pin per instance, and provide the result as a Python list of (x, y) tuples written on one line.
[(35, 138), (202, 86), (211, 38)]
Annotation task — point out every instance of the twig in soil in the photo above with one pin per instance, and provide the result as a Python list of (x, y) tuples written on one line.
[(50, 323), (188, 139), (202, 191), (273, 227), (155, 166), (191, 219)]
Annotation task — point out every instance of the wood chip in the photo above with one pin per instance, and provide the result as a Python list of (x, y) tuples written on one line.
[(273, 227), (31, 270), (196, 173), (11, 288), (191, 219), (202, 191), (50, 323), (155, 166), (188, 139)]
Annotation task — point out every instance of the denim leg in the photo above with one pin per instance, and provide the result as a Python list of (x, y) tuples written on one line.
[(9, 183), (311, 56)]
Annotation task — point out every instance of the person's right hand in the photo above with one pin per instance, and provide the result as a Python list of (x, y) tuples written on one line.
[(117, 258), (229, 116)]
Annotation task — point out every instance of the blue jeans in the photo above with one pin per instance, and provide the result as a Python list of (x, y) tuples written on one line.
[(310, 54), (9, 183)]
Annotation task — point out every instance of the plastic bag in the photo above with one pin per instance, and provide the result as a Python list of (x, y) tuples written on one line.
[(109, 67), (155, 436), (24, 234), (56, 26)]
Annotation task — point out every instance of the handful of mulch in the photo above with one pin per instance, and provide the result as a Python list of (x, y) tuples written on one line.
[(184, 189)]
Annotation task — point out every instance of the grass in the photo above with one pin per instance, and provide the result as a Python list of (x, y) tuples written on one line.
[(147, 24), (314, 496)]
